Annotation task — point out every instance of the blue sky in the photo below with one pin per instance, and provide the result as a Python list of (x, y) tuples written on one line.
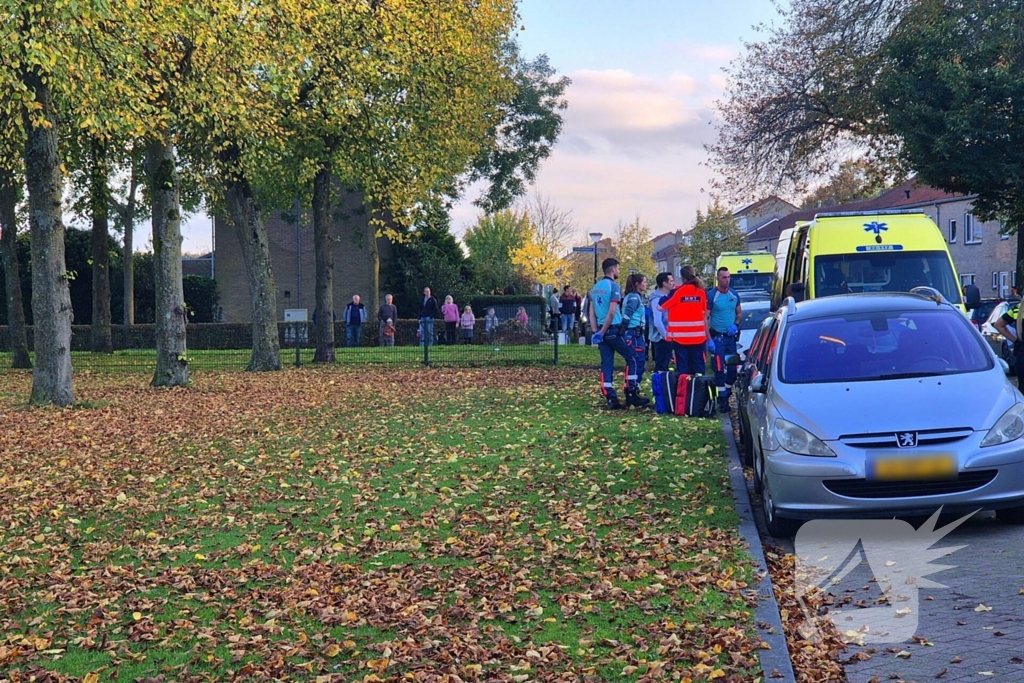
[(645, 74)]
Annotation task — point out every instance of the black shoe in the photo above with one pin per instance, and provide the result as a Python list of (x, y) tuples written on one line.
[(615, 404), (637, 401)]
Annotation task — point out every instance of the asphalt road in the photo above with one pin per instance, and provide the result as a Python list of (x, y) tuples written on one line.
[(972, 629)]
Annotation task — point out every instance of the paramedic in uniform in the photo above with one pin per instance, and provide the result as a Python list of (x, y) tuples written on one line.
[(605, 300), (687, 326), (1009, 326), (725, 316)]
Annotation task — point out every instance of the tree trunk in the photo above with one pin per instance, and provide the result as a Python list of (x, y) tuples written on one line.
[(1019, 265), (252, 234), (164, 193), (371, 232), (128, 221), (51, 297), (100, 208), (12, 271), (323, 247)]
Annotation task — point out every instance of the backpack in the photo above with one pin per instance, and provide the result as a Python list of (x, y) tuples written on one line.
[(663, 388), (696, 396)]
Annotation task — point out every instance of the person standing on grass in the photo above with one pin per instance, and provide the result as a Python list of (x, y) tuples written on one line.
[(725, 315), (634, 319), (567, 309), (389, 332), (490, 325), (451, 319), (387, 311), (658, 334), (428, 311), (355, 316), (687, 328), (521, 317), (605, 299), (468, 322)]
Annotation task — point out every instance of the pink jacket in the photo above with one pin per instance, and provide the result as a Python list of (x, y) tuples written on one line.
[(468, 321), (450, 313)]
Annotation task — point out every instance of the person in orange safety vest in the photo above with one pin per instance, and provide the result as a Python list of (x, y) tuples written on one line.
[(687, 326)]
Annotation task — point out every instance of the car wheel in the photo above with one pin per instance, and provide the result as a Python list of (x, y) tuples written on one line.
[(746, 446), (778, 527), (1011, 515)]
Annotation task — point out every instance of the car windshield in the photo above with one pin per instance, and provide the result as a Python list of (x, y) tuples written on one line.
[(753, 315), (751, 282), (885, 271), (882, 345)]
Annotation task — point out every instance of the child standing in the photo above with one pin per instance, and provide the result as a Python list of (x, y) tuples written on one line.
[(389, 333), (468, 323), (490, 325)]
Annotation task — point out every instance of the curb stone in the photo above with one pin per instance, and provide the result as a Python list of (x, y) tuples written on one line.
[(775, 663)]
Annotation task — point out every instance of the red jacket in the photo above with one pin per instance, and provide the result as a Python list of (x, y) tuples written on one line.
[(686, 309)]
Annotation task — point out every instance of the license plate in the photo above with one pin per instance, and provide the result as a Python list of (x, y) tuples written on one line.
[(911, 468)]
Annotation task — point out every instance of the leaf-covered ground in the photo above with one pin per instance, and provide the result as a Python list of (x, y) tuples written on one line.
[(382, 525)]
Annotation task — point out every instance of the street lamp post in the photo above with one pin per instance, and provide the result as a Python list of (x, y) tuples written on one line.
[(595, 237)]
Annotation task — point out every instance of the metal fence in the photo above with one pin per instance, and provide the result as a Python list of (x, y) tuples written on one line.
[(227, 347)]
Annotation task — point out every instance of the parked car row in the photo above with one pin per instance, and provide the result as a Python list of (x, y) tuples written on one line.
[(868, 405)]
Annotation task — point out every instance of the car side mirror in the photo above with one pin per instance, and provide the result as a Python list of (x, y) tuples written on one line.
[(733, 359), (757, 383)]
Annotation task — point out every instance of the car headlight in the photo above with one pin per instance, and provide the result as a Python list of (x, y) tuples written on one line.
[(1009, 427), (796, 439)]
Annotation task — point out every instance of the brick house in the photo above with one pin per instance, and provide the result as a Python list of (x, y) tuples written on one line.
[(982, 255), (291, 257), (758, 221)]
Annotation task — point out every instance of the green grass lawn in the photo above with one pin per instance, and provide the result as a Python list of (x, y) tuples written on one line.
[(143, 360), (341, 524)]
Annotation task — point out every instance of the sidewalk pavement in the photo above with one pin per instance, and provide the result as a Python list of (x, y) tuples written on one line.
[(775, 663)]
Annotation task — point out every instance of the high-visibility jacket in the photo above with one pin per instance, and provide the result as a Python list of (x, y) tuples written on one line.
[(686, 308)]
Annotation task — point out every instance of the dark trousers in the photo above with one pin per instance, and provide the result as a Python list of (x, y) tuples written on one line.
[(449, 332), (662, 355), (608, 348), (635, 374), (725, 375), (690, 358)]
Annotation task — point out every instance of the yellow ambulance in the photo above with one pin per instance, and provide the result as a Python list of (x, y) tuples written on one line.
[(751, 271), (850, 252)]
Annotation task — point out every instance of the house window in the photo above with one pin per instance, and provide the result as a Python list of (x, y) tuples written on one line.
[(995, 279), (1003, 235), (952, 231), (966, 279), (972, 231)]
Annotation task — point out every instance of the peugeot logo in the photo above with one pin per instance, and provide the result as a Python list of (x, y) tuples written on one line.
[(906, 439)]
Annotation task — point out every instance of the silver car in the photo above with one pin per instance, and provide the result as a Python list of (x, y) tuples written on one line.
[(867, 405)]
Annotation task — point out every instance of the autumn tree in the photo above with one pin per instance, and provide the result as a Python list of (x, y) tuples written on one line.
[(491, 242), (536, 260), (803, 99), (953, 91), (854, 180), (712, 233), (633, 247)]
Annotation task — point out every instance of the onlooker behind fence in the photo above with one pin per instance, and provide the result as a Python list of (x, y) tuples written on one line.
[(554, 308), (355, 316), (428, 312), (451, 319), (468, 323), (521, 317), (387, 311), (389, 332), (490, 325), (567, 309)]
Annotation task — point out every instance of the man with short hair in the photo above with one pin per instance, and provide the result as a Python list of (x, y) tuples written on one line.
[(1009, 326), (606, 316), (355, 316), (387, 311), (428, 311), (659, 334), (726, 313)]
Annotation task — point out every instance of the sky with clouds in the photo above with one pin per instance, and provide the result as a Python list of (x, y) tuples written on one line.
[(645, 74)]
